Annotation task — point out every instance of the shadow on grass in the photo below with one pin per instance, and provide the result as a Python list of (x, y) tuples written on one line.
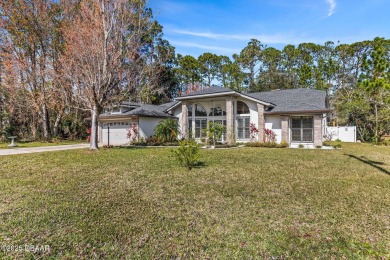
[(374, 164), (199, 165)]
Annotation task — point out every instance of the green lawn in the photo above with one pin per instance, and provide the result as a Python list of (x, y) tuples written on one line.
[(245, 203), (4, 145)]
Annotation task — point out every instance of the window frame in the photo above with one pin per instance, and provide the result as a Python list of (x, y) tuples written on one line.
[(302, 129)]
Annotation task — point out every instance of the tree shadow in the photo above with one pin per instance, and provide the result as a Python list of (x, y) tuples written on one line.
[(374, 164)]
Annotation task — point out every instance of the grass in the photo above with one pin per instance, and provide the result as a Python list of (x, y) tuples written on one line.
[(245, 203), (21, 144)]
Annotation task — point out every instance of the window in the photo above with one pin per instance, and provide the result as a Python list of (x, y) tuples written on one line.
[(302, 129), (200, 111), (217, 111), (189, 108), (243, 123), (242, 108), (200, 126)]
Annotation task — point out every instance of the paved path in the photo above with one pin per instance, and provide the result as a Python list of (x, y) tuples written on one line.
[(42, 149)]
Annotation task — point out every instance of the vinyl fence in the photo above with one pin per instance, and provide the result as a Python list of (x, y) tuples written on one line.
[(343, 133)]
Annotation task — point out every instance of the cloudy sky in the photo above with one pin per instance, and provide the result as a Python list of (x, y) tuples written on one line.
[(226, 26)]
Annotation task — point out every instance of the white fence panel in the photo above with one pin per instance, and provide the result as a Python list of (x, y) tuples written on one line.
[(344, 133)]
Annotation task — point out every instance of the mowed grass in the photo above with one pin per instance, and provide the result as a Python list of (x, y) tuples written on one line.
[(245, 203)]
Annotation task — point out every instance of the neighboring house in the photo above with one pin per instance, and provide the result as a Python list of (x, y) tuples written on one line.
[(297, 116)]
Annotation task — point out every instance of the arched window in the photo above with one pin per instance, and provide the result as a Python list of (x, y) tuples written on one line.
[(200, 111), (242, 108), (217, 111)]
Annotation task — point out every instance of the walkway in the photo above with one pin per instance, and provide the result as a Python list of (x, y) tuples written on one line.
[(42, 149)]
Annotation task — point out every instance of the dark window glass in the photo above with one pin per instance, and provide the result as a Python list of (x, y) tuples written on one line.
[(189, 110), (217, 111), (242, 108), (200, 111)]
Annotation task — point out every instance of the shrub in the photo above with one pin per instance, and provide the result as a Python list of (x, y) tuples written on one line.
[(132, 133), (188, 154), (337, 146), (253, 132), (269, 136), (167, 130), (301, 146), (283, 144), (267, 144), (214, 131)]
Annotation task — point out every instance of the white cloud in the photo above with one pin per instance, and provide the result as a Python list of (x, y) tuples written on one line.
[(284, 38), (204, 47), (332, 7)]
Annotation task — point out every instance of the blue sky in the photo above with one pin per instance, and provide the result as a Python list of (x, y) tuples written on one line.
[(226, 26)]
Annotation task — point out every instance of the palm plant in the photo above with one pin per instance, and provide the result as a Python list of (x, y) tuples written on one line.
[(167, 130)]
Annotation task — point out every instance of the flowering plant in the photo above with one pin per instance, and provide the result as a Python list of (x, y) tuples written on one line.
[(253, 132), (269, 136), (132, 133)]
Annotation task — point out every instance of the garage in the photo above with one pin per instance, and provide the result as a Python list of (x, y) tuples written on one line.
[(117, 131)]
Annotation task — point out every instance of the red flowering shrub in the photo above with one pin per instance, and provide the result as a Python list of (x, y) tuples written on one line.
[(253, 132), (132, 132), (269, 136)]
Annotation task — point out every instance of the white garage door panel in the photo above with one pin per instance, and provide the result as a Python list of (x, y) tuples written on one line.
[(118, 133)]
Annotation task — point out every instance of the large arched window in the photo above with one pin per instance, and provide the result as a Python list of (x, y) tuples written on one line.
[(200, 120), (200, 111), (242, 108), (217, 111), (243, 120)]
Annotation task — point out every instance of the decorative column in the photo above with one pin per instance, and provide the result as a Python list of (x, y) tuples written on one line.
[(230, 138), (261, 122), (318, 130), (284, 122), (184, 120)]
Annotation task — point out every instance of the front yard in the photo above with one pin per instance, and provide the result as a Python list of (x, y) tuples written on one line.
[(245, 203)]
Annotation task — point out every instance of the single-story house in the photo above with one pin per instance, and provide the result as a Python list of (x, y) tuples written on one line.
[(296, 116)]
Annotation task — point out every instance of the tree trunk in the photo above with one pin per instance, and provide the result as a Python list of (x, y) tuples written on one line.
[(376, 123), (57, 124), (94, 128), (46, 123)]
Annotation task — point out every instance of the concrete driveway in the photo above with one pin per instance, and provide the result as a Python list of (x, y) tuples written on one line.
[(42, 149)]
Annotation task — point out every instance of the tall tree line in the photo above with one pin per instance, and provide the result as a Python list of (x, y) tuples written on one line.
[(356, 77), (63, 61)]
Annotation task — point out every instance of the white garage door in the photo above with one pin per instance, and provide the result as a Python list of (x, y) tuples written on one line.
[(117, 132)]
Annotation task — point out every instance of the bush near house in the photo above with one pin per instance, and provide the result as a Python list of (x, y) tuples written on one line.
[(283, 144)]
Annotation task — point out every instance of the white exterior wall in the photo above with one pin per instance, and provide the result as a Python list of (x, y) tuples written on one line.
[(147, 126), (274, 123)]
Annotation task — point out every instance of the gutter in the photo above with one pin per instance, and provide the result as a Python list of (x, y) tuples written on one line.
[(299, 112)]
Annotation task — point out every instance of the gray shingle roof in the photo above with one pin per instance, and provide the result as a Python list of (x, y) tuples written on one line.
[(206, 91), (149, 110), (293, 100), (143, 110)]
